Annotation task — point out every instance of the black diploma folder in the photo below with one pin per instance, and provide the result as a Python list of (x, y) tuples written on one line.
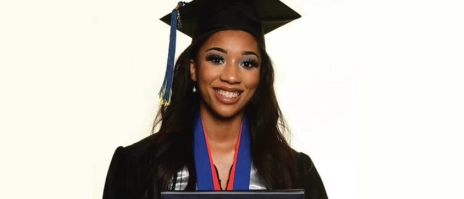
[(252, 194)]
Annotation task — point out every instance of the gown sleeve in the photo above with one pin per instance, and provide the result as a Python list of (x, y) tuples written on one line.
[(310, 179), (115, 187)]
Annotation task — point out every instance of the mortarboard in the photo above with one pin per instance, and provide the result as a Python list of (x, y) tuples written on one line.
[(198, 17)]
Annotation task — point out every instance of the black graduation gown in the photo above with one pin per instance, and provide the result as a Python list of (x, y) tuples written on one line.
[(127, 172)]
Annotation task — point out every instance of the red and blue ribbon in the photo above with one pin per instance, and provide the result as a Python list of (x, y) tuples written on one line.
[(206, 176)]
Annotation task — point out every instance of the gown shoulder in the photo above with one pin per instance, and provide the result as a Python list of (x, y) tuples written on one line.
[(308, 177), (125, 176)]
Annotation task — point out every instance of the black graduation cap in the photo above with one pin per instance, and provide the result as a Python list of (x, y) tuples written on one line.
[(198, 17), (255, 16)]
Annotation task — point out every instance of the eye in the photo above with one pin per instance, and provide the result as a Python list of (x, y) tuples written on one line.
[(249, 63), (215, 59)]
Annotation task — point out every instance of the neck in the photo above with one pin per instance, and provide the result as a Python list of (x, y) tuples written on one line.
[(221, 130)]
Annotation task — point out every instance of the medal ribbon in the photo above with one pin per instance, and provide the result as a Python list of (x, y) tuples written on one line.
[(207, 178)]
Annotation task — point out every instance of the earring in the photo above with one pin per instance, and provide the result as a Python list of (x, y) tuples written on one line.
[(194, 89)]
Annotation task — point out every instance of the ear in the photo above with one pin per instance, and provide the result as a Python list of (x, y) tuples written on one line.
[(193, 72)]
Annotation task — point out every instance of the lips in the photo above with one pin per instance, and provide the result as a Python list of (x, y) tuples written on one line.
[(227, 96)]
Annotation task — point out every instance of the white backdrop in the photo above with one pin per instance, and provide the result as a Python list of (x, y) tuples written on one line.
[(378, 81)]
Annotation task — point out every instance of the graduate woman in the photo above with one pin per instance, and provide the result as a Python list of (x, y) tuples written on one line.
[(220, 124)]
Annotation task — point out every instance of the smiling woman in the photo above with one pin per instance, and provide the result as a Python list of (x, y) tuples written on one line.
[(226, 72), (221, 127)]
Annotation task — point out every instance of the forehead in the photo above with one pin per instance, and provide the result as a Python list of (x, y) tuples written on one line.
[(232, 40)]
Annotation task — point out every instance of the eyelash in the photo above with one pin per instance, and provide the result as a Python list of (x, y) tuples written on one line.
[(215, 59), (251, 63), (218, 59)]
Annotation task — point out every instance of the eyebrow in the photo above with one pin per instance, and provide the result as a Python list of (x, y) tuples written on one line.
[(225, 51), (217, 49), (250, 53)]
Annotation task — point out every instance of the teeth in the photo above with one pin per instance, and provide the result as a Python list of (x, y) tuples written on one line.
[(227, 94)]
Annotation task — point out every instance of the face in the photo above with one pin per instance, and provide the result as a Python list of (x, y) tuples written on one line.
[(226, 72)]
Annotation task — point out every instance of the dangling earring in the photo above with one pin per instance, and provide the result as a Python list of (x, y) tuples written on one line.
[(194, 89)]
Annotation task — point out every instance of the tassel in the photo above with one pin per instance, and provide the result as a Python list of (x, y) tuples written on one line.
[(166, 89)]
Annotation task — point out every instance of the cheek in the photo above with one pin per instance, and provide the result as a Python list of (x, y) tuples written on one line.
[(252, 79), (207, 74)]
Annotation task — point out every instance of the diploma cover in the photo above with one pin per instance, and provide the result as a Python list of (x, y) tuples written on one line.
[(256, 194)]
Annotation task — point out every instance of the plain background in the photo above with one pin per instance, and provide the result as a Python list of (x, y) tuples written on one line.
[(372, 91)]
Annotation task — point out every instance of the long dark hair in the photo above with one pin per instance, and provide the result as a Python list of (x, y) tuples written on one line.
[(171, 150)]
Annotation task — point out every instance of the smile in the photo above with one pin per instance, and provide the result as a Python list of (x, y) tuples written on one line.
[(228, 94)]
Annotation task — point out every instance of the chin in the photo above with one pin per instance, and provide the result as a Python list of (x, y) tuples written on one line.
[(224, 111), (225, 114)]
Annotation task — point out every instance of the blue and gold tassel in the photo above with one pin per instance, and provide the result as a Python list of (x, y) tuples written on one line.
[(166, 89)]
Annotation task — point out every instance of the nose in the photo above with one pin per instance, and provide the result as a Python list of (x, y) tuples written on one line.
[(231, 73)]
